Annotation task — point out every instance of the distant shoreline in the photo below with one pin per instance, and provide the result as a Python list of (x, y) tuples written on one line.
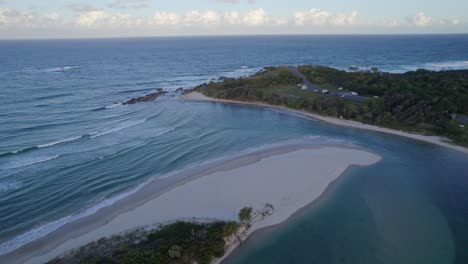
[(437, 140)]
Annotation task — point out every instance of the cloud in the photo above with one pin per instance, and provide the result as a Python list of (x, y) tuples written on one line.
[(129, 4), (232, 18), (252, 18), (420, 20), (20, 19), (391, 23), (191, 18), (316, 16), (235, 1), (166, 18), (201, 18), (79, 7), (89, 20), (103, 19), (255, 17)]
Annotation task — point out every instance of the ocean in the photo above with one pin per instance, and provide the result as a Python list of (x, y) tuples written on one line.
[(69, 147)]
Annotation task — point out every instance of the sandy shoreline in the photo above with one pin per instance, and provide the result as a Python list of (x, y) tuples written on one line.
[(196, 96), (288, 176)]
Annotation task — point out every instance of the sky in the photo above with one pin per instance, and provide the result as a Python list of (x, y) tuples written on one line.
[(33, 19)]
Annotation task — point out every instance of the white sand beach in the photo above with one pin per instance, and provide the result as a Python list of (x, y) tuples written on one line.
[(288, 177), (441, 141)]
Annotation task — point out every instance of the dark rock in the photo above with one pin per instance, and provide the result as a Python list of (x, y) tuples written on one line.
[(146, 98)]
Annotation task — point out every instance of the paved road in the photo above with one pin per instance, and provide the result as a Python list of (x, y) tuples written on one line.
[(314, 88)]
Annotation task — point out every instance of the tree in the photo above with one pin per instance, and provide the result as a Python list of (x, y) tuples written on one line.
[(175, 251), (245, 214)]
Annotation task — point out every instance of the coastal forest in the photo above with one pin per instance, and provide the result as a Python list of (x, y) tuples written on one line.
[(420, 101), (177, 243)]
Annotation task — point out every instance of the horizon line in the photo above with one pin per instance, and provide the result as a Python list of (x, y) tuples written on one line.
[(231, 35)]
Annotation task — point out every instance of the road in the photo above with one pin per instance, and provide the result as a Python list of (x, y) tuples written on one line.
[(315, 88)]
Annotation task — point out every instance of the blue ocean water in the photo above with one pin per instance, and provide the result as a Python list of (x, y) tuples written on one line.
[(68, 147)]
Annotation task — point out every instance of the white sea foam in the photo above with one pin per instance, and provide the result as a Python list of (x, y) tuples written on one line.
[(53, 143), (60, 69), (189, 82), (9, 186), (446, 65), (244, 71), (164, 132), (432, 66), (124, 125), (43, 230), (113, 105), (23, 162)]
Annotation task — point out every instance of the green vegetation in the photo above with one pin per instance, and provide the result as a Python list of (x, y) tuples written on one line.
[(421, 101), (245, 215), (180, 242)]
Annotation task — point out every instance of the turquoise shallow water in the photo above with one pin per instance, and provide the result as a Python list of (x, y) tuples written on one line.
[(409, 208), (68, 147)]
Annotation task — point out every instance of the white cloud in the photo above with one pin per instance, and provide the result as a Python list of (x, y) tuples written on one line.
[(88, 20), (91, 18), (316, 16), (280, 21), (252, 18), (235, 1), (129, 4), (420, 20), (80, 7), (201, 18), (255, 17), (103, 19), (166, 18), (18, 19), (391, 23), (191, 18), (232, 18)]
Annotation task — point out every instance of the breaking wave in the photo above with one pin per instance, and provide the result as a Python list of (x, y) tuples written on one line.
[(28, 161), (125, 125)]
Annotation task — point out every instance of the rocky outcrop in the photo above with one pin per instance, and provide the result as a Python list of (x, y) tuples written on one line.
[(146, 98)]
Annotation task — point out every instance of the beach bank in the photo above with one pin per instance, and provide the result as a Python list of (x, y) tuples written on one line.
[(288, 177), (441, 141)]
